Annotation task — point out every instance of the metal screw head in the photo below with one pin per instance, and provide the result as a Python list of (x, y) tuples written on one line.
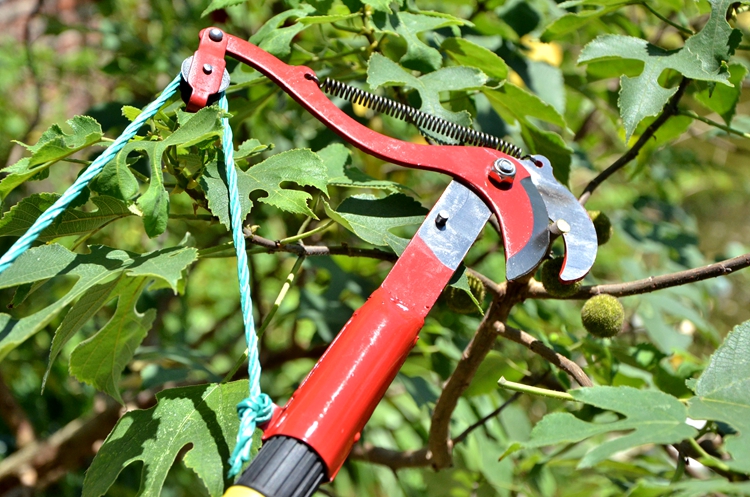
[(441, 219), (215, 35), (208, 68)]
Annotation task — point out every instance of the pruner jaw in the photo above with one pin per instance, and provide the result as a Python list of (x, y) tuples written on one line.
[(568, 218), (204, 74)]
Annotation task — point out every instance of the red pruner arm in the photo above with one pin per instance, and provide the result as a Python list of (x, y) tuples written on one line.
[(515, 201)]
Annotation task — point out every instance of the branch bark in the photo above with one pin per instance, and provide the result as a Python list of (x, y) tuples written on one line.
[(536, 290), (669, 110), (537, 347)]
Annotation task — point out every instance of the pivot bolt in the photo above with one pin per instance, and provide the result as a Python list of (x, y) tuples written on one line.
[(503, 170), (208, 68), (216, 35), (441, 219), (559, 227)]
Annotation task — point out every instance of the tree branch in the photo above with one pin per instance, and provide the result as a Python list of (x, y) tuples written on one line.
[(537, 347), (652, 283), (669, 110)]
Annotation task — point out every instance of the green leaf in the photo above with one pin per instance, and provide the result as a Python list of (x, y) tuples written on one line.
[(723, 393), (130, 113), (154, 203), (382, 71), (302, 167), (703, 58), (116, 179), (372, 219), (571, 22), (21, 216), (470, 54), (722, 99), (418, 56), (328, 18), (204, 416), (250, 148), (78, 315), (220, 4), (653, 417), (515, 104), (100, 360), (277, 40), (337, 158), (90, 270), (53, 145)]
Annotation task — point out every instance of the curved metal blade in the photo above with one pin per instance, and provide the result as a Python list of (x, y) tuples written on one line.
[(580, 241)]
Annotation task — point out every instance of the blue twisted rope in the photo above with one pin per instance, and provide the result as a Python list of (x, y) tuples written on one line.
[(43, 221), (257, 407)]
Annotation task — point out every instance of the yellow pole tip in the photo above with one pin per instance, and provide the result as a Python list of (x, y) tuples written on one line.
[(240, 491)]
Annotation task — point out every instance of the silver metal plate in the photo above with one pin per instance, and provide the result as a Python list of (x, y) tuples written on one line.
[(580, 241), (451, 239)]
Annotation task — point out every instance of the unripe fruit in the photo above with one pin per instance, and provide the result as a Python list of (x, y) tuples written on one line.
[(459, 301), (550, 277), (603, 316), (602, 225)]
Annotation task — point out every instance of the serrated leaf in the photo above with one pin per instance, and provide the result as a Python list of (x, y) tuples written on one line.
[(571, 22), (470, 54), (653, 417), (302, 167), (382, 71), (723, 393), (379, 5), (276, 40), (372, 219), (220, 4), (130, 113), (21, 216), (116, 179), (337, 159), (250, 148), (703, 58), (418, 55), (203, 415), (722, 99), (100, 359), (99, 266), (53, 145)]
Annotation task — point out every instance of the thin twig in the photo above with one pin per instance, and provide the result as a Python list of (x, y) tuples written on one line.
[(464, 434), (537, 347), (678, 27), (544, 392), (535, 290), (728, 129), (669, 110)]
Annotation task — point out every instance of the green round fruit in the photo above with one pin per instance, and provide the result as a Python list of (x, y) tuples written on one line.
[(603, 316), (550, 278), (459, 301), (602, 225)]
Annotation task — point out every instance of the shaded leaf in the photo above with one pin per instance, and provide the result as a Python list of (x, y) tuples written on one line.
[(21, 216), (372, 219), (53, 145), (220, 4), (203, 415), (277, 40), (90, 270), (722, 99), (382, 71), (653, 417), (470, 54), (100, 360), (723, 393), (337, 159), (302, 167)]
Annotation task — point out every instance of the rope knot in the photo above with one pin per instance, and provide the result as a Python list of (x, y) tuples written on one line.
[(252, 412)]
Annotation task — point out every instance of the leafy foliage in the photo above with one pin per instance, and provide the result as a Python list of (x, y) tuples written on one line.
[(130, 297)]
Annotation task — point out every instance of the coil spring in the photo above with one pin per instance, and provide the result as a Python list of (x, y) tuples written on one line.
[(422, 120)]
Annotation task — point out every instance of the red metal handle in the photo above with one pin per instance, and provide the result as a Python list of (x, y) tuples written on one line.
[(520, 211)]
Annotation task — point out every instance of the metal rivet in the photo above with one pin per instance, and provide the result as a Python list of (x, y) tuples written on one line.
[(208, 68), (216, 35), (441, 219), (559, 227)]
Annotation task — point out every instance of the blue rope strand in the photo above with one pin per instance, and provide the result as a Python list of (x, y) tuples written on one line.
[(257, 407), (43, 221)]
